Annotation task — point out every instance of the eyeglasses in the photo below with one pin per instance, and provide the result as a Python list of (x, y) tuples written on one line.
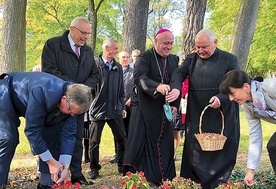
[(82, 32)]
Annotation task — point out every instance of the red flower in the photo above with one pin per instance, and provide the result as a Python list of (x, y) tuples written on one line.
[(165, 187), (134, 186), (123, 183), (77, 185), (67, 184), (128, 174)]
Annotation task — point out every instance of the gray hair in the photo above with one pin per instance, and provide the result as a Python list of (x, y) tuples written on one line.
[(77, 20), (80, 95), (109, 43), (209, 33)]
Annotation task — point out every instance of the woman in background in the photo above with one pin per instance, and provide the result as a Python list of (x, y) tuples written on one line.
[(258, 100)]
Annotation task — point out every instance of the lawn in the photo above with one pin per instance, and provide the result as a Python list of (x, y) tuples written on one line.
[(23, 169)]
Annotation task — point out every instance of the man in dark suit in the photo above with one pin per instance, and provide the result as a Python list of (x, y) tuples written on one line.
[(69, 58), (50, 107)]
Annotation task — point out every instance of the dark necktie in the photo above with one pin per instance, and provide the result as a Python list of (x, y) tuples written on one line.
[(77, 50)]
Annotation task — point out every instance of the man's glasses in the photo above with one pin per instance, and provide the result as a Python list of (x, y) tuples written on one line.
[(82, 32)]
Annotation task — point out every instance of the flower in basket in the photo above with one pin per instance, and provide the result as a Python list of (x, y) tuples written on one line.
[(180, 183), (135, 180), (68, 184)]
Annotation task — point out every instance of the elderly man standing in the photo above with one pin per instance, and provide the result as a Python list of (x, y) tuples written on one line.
[(150, 146), (205, 69), (49, 106), (128, 86), (107, 107), (69, 58)]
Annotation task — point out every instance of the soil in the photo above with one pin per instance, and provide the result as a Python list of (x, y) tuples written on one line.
[(24, 175)]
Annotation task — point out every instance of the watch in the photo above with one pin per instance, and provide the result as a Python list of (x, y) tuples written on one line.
[(66, 166)]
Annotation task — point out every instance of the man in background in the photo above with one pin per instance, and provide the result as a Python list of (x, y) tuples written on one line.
[(108, 107), (128, 86), (134, 55)]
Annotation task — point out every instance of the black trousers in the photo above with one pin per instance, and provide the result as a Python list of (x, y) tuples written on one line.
[(96, 128), (271, 147), (126, 125), (75, 166)]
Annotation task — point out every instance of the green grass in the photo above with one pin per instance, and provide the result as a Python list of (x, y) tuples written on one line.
[(107, 144)]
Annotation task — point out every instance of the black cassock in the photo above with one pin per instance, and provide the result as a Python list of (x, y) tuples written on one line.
[(208, 168), (149, 145)]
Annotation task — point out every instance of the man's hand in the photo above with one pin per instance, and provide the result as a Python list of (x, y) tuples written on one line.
[(214, 102), (57, 170), (63, 173), (163, 89), (173, 95)]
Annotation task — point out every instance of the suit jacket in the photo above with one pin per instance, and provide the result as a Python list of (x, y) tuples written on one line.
[(36, 96)]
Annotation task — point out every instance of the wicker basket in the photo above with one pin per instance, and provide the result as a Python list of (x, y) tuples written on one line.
[(210, 141)]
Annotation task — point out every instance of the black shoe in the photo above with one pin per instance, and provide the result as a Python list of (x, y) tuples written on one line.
[(114, 159), (82, 181), (47, 186), (94, 174)]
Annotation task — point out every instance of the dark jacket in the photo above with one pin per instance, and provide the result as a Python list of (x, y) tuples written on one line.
[(36, 96), (59, 59), (108, 101), (128, 82)]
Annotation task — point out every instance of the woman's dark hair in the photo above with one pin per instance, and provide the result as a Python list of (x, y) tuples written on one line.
[(234, 78)]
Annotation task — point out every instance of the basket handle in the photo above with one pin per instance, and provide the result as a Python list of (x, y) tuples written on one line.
[(200, 120)]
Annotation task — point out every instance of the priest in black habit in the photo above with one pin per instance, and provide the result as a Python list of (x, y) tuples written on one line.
[(150, 146), (205, 69)]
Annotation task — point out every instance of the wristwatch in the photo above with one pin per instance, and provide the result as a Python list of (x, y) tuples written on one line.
[(66, 166)]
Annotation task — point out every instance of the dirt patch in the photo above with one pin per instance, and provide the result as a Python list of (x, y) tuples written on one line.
[(23, 172)]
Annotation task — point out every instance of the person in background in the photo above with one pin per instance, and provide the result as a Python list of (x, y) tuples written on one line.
[(149, 145), (128, 86), (50, 107), (134, 55), (258, 100), (69, 58), (86, 137), (180, 116), (108, 107), (205, 69)]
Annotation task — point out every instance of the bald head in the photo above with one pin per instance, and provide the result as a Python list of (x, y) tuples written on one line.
[(163, 43), (206, 43)]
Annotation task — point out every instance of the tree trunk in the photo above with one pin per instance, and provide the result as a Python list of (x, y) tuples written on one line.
[(135, 25), (245, 25), (94, 21), (14, 36), (194, 18)]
